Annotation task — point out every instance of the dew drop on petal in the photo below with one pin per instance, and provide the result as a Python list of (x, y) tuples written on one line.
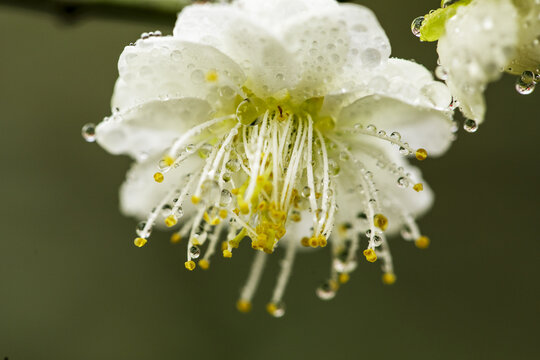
[(524, 88), (306, 192), (402, 182), (233, 165), (225, 198), (88, 132), (197, 76), (416, 25), (441, 73), (333, 168), (470, 126)]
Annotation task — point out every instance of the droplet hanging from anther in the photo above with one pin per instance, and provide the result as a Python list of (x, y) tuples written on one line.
[(277, 310), (326, 291), (88, 132), (470, 126), (194, 252), (416, 25)]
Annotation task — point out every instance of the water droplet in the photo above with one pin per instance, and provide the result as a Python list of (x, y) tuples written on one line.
[(358, 126), (306, 192), (88, 132), (278, 309), (402, 182), (179, 212), (279, 76), (368, 233), (446, 3), (370, 57), (194, 252), (226, 92), (225, 198), (403, 150), (524, 88), (205, 150), (416, 25), (371, 128), (377, 240), (139, 230), (190, 148), (210, 190), (344, 156), (197, 76), (333, 167), (166, 210), (470, 126), (343, 266), (406, 233), (226, 176), (326, 291), (233, 165), (441, 73), (395, 135), (145, 35)]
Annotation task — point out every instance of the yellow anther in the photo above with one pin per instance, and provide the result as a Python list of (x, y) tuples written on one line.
[(422, 242), (215, 221), (305, 241), (421, 154), (314, 242), (195, 241), (175, 238), (235, 191), (262, 206), (195, 199), (158, 177), (204, 264), (388, 278), (380, 221), (260, 179), (244, 306), (190, 265), (236, 211), (139, 242), (370, 255), (212, 76), (296, 217), (168, 160), (170, 220), (227, 254), (418, 187), (268, 187), (344, 278), (223, 213), (243, 206), (318, 195), (271, 308), (322, 241), (280, 232), (224, 245)]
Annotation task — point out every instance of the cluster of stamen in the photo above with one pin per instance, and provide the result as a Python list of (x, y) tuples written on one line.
[(268, 166)]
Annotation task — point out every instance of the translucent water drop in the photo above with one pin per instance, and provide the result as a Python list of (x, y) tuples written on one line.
[(527, 77), (139, 230), (446, 3), (278, 309), (190, 148), (233, 165), (166, 210), (306, 191), (210, 190), (441, 73), (163, 164), (371, 128), (179, 212), (402, 182), (368, 233), (377, 240), (205, 150), (226, 176), (382, 133), (326, 291), (406, 233), (470, 126), (417, 25), (341, 265), (403, 151), (395, 135), (358, 126), (197, 76), (225, 198), (333, 167), (194, 252), (145, 35), (524, 88), (88, 132)]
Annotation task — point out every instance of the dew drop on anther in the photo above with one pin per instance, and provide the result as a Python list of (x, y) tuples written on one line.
[(194, 252), (470, 126), (416, 25), (88, 132), (325, 291)]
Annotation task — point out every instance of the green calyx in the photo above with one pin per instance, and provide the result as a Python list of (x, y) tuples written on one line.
[(433, 26)]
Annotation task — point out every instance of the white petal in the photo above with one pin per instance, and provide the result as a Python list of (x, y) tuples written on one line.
[(164, 67), (148, 129), (267, 64), (479, 41), (139, 193), (420, 126)]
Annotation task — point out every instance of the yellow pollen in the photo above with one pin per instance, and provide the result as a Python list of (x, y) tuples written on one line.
[(168, 160), (370, 255), (204, 264), (271, 308), (212, 76), (305, 241), (243, 306), (380, 221), (421, 154), (322, 241), (422, 242), (170, 221), (139, 242), (227, 254), (344, 278), (244, 207), (236, 211), (190, 265), (235, 191), (158, 177), (224, 245), (223, 213), (313, 242), (388, 278), (262, 206), (418, 187), (195, 199), (175, 238)]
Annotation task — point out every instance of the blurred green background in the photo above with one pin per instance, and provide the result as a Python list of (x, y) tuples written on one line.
[(73, 286)]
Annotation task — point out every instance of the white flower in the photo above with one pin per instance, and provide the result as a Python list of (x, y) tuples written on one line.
[(478, 41), (284, 117)]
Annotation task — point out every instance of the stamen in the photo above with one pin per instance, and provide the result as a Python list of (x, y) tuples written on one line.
[(246, 295), (275, 307)]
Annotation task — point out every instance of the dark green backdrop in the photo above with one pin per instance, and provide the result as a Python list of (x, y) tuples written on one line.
[(73, 286)]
